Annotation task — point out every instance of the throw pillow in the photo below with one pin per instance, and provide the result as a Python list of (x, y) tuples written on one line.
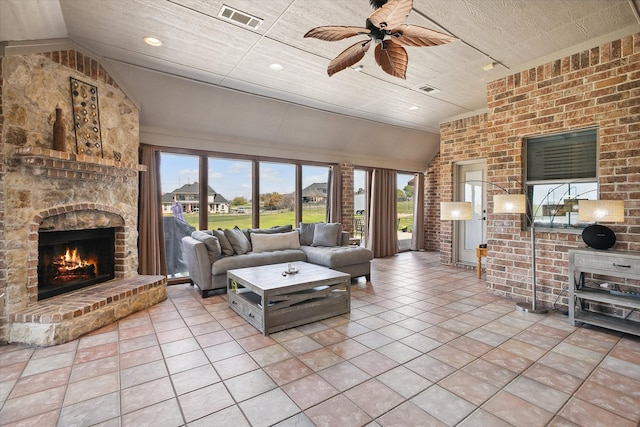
[(327, 234), (225, 245), (272, 230), (306, 233), (264, 242), (211, 243), (238, 240)]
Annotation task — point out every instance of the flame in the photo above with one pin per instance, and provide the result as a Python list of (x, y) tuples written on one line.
[(71, 260)]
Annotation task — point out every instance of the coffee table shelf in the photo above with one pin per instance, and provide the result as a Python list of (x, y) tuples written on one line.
[(272, 301)]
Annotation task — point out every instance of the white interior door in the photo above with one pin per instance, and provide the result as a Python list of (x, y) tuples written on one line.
[(471, 187)]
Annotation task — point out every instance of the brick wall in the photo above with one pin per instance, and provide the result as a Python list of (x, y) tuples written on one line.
[(432, 189), (461, 140), (346, 170), (597, 87)]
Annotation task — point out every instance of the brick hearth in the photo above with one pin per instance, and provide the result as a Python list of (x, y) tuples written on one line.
[(66, 317)]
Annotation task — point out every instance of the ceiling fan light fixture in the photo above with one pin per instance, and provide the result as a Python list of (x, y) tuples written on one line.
[(152, 41), (358, 68)]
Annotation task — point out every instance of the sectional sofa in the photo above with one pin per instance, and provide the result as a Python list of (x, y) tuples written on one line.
[(209, 254)]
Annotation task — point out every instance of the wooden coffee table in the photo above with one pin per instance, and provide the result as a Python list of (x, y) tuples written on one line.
[(272, 300)]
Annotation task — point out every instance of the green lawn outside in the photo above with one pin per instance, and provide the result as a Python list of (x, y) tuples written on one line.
[(267, 219), (270, 219)]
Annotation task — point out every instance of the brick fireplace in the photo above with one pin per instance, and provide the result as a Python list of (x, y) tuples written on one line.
[(48, 191)]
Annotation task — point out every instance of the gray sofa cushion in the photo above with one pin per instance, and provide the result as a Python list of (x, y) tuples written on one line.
[(254, 259), (337, 256), (263, 242), (212, 244), (238, 240), (272, 230), (225, 245), (306, 233), (327, 234)]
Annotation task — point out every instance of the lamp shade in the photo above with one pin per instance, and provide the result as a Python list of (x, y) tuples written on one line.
[(601, 210), (455, 211), (571, 205), (509, 203)]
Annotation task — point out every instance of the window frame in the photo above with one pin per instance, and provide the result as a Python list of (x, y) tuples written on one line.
[(558, 183)]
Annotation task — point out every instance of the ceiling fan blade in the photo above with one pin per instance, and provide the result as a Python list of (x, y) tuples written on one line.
[(392, 58), (348, 57), (392, 14), (413, 35), (333, 33)]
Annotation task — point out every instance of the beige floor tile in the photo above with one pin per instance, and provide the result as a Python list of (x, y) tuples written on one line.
[(320, 359), (517, 411), (193, 379), (582, 413), (337, 411), (248, 385), (309, 391), (443, 405), (424, 344), (288, 370), (344, 375), (468, 387), (408, 414)]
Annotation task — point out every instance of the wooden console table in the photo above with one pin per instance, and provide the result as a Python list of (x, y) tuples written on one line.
[(583, 294)]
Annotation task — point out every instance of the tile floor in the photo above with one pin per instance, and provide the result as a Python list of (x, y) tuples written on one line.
[(424, 345)]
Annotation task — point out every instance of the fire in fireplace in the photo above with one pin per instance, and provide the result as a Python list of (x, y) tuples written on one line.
[(70, 260)]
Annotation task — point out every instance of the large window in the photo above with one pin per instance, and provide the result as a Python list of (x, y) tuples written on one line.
[(314, 193), (180, 206), (230, 189), (200, 191), (277, 194), (404, 210), (561, 169), (359, 204)]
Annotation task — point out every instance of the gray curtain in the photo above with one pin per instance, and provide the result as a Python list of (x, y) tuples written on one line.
[(383, 222), (151, 248), (334, 195), (417, 237)]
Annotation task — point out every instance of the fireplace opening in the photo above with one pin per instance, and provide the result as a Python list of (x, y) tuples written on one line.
[(70, 260)]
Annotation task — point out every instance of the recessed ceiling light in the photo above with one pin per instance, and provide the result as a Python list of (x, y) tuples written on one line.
[(152, 41), (276, 67), (413, 107)]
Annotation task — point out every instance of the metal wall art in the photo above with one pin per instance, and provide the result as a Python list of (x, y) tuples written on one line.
[(86, 118)]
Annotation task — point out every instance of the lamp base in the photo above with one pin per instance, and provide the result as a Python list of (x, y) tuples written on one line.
[(527, 308)]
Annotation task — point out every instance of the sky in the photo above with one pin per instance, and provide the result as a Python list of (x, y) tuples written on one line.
[(232, 178)]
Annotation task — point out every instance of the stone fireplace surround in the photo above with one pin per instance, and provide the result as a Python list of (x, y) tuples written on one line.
[(65, 317), (45, 189)]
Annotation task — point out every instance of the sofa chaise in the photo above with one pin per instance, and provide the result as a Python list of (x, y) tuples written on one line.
[(209, 254)]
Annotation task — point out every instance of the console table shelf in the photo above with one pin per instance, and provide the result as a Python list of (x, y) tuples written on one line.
[(615, 264)]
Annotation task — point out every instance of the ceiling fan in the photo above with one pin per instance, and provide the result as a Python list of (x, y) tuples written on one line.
[(386, 27)]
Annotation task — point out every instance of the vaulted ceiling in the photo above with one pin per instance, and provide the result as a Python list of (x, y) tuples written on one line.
[(210, 84)]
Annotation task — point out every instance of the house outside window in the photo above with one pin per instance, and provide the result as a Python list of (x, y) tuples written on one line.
[(560, 170)]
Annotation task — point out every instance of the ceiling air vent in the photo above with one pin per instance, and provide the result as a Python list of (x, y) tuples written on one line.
[(429, 89), (241, 18)]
